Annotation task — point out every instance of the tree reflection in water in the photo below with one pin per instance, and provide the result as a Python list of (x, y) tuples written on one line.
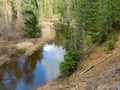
[(36, 70)]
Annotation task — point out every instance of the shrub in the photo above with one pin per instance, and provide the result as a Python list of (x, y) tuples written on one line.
[(110, 45), (70, 63), (114, 37), (31, 22)]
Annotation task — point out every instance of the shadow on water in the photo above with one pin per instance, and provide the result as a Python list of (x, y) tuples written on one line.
[(34, 71)]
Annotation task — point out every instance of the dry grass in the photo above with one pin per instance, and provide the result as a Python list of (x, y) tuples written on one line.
[(104, 76), (15, 42)]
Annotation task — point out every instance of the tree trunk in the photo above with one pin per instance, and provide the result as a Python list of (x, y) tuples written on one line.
[(6, 17)]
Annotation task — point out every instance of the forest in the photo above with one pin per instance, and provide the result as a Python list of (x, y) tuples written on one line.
[(88, 24)]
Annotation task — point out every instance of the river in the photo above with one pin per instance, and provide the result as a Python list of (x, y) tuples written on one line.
[(36, 70)]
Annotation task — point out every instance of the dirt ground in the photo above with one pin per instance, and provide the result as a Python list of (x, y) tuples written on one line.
[(103, 76)]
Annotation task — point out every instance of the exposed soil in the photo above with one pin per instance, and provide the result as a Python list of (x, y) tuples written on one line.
[(102, 76)]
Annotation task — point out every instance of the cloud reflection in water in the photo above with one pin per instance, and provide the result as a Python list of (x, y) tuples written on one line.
[(26, 75), (52, 56)]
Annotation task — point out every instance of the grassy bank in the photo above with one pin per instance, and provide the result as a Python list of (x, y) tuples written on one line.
[(12, 46)]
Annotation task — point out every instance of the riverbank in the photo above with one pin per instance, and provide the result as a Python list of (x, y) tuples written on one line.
[(11, 47), (100, 71)]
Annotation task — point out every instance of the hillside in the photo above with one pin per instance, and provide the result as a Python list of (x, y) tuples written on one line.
[(103, 73)]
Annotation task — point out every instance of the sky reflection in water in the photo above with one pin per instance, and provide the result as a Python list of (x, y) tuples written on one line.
[(36, 72)]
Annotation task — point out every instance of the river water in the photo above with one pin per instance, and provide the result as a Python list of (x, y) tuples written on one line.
[(36, 70)]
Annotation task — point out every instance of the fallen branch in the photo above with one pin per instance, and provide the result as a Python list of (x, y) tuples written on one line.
[(101, 61), (91, 67)]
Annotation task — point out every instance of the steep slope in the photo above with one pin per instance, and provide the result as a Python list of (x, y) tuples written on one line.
[(100, 71)]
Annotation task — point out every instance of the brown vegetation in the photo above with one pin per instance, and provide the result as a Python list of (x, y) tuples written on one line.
[(13, 44), (100, 71)]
